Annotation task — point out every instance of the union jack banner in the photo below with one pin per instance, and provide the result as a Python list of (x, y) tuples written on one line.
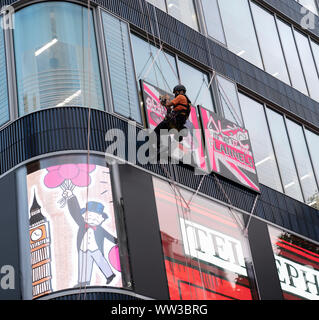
[(229, 150)]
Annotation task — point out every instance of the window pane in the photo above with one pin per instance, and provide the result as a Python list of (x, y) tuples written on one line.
[(196, 83), (313, 143), (213, 20), (303, 163), (52, 57), (292, 58), (158, 3), (315, 50), (310, 5), (162, 73), (184, 11), (308, 64), (269, 43), (120, 61), (284, 155), (229, 100), (256, 124), (239, 30), (4, 103)]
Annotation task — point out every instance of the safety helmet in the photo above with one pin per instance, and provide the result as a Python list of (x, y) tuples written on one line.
[(179, 87)]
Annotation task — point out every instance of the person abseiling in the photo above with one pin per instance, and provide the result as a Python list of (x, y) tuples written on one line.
[(178, 111)]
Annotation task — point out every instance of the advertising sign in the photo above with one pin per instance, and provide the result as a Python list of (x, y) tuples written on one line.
[(73, 239), (229, 150), (297, 262), (155, 113), (205, 252)]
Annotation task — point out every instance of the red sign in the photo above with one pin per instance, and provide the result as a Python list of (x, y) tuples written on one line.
[(204, 248)]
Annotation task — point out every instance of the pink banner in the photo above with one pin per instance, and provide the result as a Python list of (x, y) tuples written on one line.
[(229, 150)]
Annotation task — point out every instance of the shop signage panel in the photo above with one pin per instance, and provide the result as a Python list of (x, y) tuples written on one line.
[(229, 150)]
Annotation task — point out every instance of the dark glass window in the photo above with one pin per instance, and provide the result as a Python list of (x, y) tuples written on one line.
[(121, 68), (256, 124), (4, 103)]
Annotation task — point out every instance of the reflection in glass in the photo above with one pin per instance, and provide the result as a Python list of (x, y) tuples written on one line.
[(291, 54), (304, 167), (184, 11), (213, 20), (4, 103), (239, 30), (256, 124), (284, 155), (162, 73), (120, 63), (315, 50), (52, 57), (229, 100), (269, 43), (158, 3), (308, 64), (205, 251), (197, 84), (297, 265), (313, 142)]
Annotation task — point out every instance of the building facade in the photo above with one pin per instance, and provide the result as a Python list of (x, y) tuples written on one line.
[(82, 219)]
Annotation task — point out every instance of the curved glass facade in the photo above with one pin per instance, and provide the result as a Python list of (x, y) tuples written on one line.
[(56, 57)]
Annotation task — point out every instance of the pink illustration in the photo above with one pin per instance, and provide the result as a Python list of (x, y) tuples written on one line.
[(114, 258), (68, 176)]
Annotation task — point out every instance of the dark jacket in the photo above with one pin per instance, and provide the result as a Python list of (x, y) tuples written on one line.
[(100, 233)]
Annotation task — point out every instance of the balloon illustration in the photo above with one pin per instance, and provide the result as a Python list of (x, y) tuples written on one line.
[(114, 258), (68, 176)]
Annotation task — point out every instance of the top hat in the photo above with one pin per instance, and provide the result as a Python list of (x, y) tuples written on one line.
[(96, 207)]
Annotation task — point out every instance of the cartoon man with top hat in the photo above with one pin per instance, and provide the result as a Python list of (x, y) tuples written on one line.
[(90, 238)]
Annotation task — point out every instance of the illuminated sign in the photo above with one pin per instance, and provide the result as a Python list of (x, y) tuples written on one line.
[(155, 113), (297, 262), (204, 249), (73, 239), (213, 247), (229, 150)]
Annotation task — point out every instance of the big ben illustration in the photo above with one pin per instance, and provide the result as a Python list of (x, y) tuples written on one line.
[(40, 251)]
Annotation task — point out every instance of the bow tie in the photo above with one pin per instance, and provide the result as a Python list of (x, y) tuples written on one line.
[(87, 226)]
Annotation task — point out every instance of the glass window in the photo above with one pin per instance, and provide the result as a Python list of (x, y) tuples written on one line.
[(315, 50), (158, 3), (4, 103), (239, 30), (184, 11), (292, 58), (213, 21), (55, 63), (256, 124), (269, 43), (284, 155), (310, 5), (313, 143), (228, 96), (205, 252), (121, 68), (197, 85), (153, 65), (308, 64), (304, 167)]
